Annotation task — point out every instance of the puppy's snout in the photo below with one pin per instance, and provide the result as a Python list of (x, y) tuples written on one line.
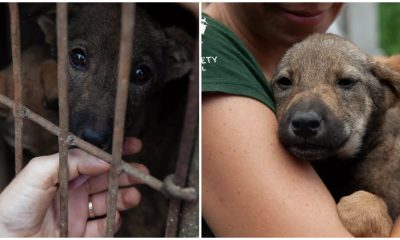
[(306, 124), (94, 137)]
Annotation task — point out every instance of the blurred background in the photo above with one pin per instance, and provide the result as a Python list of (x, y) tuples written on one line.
[(374, 27)]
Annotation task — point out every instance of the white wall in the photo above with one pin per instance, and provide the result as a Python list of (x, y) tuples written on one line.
[(358, 22)]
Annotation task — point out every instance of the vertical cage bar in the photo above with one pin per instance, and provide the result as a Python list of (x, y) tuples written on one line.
[(124, 67), (16, 59), (187, 142), (62, 74)]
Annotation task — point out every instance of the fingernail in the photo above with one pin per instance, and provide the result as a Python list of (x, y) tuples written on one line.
[(102, 161)]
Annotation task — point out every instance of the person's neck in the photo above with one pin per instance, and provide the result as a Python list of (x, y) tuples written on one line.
[(266, 49)]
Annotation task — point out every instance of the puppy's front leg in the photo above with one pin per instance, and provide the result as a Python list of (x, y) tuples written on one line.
[(365, 215)]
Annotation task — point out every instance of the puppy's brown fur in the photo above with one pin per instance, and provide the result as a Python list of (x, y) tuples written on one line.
[(339, 108), (39, 79), (361, 223), (393, 61)]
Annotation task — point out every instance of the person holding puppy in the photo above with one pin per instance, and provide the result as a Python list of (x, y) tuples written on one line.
[(251, 186)]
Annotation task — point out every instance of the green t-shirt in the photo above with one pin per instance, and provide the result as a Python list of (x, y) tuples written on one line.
[(228, 67)]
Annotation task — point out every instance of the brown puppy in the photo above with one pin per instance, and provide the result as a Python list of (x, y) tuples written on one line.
[(351, 209), (338, 108), (39, 79), (161, 61)]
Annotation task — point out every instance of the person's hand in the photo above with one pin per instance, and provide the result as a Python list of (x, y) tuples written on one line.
[(29, 206)]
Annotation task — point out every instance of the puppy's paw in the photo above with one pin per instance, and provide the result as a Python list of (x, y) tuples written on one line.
[(365, 215)]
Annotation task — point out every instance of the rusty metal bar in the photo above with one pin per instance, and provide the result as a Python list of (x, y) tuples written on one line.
[(189, 213), (16, 59), (167, 187), (190, 126), (63, 144), (124, 66)]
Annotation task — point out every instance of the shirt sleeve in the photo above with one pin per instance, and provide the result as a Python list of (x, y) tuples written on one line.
[(228, 67)]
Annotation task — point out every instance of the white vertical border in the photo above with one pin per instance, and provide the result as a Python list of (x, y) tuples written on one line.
[(200, 125)]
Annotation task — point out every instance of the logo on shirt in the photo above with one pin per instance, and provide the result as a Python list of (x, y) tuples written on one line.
[(203, 25), (207, 59)]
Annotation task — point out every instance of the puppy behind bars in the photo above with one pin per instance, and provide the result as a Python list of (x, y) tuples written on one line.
[(161, 62)]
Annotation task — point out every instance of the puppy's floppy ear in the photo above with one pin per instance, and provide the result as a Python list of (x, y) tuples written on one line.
[(179, 53), (48, 25), (388, 76), (392, 61), (48, 77)]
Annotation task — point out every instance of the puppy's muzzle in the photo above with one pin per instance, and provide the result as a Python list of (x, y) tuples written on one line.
[(96, 138), (310, 130)]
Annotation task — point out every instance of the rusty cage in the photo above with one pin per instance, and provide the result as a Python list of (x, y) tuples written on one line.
[(172, 186)]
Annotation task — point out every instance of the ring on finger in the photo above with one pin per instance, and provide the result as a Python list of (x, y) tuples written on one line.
[(91, 208)]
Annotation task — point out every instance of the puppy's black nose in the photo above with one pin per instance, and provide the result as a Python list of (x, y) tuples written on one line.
[(306, 124), (96, 138)]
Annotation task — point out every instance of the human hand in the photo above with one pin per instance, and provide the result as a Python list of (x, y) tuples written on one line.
[(29, 206)]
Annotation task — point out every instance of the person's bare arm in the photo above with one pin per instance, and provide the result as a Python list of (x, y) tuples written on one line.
[(251, 186)]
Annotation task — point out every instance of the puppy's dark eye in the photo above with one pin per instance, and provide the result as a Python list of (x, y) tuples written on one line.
[(141, 73), (78, 58), (346, 83), (284, 83)]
